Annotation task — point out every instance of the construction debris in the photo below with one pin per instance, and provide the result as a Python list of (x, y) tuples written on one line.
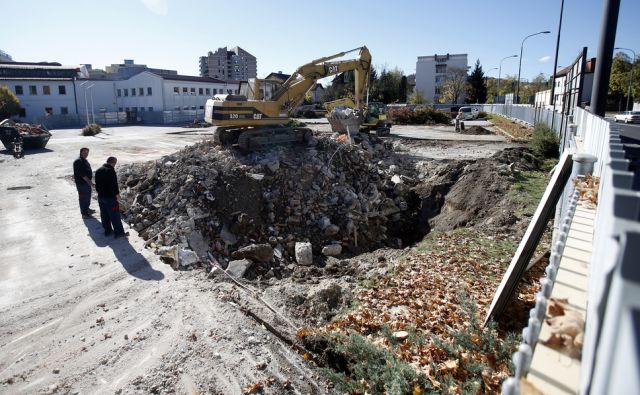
[(213, 206)]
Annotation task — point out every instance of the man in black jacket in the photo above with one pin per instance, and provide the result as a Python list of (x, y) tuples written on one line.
[(108, 196), (82, 176)]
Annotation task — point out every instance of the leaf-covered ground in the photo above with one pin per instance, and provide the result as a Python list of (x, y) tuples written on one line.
[(428, 315)]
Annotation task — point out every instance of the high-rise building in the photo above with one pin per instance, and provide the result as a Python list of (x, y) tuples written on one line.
[(234, 64), (432, 71)]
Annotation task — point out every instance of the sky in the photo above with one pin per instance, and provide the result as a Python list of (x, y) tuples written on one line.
[(284, 34)]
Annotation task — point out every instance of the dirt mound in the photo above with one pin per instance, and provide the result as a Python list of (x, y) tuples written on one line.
[(475, 130), (204, 203)]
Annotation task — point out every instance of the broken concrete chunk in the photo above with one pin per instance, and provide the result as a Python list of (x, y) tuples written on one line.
[(228, 237), (304, 254), (331, 230), (332, 250), (197, 243), (238, 268), (324, 222), (257, 252), (187, 257)]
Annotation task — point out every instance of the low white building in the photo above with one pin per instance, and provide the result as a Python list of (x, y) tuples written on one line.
[(543, 99), (431, 72), (54, 92), (42, 88)]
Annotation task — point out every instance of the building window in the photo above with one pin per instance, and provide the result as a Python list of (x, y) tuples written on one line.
[(236, 91), (215, 91), (119, 92), (126, 93), (185, 90), (32, 90), (441, 68), (126, 109), (62, 90), (150, 108), (193, 91), (141, 109), (185, 107), (149, 91), (202, 107), (438, 91), (141, 91), (208, 91), (200, 91), (23, 113), (119, 109), (229, 91), (18, 89), (133, 91), (46, 90), (64, 110), (193, 107), (48, 110), (176, 90), (176, 108)]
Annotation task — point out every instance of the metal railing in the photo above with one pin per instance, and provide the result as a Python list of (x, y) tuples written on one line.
[(610, 357)]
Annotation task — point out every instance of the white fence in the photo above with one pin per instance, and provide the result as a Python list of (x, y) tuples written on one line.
[(611, 354)]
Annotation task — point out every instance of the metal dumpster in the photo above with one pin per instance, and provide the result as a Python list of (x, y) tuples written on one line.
[(36, 139)]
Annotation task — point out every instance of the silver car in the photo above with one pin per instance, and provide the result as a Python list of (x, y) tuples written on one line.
[(628, 117), (468, 112)]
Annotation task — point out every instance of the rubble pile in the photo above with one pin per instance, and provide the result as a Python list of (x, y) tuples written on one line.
[(258, 214), (25, 129)]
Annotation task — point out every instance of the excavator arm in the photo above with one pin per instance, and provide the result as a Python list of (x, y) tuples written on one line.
[(293, 90)]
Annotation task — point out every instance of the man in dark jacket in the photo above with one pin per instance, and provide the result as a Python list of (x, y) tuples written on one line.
[(82, 176), (108, 196)]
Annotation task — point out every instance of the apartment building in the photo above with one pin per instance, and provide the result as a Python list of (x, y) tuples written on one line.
[(431, 72), (234, 64)]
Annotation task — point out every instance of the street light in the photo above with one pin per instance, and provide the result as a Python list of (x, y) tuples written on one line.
[(500, 70), (633, 63), (86, 106), (93, 116), (520, 63)]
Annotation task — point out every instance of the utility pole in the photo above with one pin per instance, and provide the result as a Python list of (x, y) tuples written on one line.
[(605, 56)]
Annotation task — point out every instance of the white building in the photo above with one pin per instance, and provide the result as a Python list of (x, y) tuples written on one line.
[(49, 89), (42, 88), (543, 99), (431, 72)]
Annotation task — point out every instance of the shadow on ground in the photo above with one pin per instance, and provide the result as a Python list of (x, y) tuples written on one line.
[(131, 260)]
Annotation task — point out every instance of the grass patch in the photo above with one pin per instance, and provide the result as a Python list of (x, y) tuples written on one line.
[(527, 191), (515, 129)]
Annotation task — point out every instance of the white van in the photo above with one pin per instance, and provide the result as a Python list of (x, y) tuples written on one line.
[(468, 112)]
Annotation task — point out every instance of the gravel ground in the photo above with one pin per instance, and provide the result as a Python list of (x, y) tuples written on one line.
[(82, 313)]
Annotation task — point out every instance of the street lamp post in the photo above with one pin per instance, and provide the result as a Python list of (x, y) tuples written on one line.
[(93, 116), (520, 63), (500, 71), (633, 63), (86, 106)]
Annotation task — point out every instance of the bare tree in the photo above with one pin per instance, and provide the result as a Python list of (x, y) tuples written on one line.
[(454, 85)]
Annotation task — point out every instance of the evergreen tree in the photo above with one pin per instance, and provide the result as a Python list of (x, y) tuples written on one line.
[(403, 89), (9, 103), (477, 87)]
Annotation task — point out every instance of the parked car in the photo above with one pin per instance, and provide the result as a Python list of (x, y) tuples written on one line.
[(469, 112), (628, 117)]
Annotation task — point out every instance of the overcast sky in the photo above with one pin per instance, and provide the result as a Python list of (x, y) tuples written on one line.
[(284, 34)]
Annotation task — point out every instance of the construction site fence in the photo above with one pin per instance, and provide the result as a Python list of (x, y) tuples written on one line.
[(610, 361), (528, 114), (63, 121)]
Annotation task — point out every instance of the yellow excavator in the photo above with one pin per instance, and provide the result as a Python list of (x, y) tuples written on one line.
[(259, 115)]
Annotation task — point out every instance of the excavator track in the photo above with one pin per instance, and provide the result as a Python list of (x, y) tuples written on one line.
[(260, 138)]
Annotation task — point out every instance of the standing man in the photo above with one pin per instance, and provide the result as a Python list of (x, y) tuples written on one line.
[(82, 176), (108, 196)]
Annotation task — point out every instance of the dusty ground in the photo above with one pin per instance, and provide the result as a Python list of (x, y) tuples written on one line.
[(80, 313)]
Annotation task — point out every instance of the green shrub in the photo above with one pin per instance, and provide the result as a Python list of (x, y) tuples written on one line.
[(419, 116), (544, 141), (482, 115), (91, 130)]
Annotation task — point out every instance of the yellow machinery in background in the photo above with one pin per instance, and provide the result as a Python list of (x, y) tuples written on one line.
[(371, 117), (259, 115)]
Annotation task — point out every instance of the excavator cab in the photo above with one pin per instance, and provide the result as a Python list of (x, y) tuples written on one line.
[(258, 89)]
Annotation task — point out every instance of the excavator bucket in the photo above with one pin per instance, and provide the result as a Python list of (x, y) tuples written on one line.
[(345, 120)]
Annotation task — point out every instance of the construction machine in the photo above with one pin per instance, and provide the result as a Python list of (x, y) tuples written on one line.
[(372, 117), (259, 115)]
